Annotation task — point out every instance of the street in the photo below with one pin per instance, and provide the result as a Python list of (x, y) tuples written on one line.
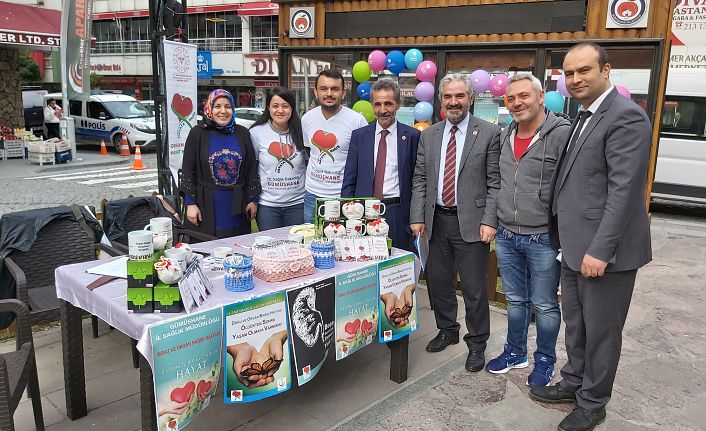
[(24, 186)]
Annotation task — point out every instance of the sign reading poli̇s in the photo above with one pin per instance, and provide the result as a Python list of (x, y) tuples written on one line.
[(627, 13)]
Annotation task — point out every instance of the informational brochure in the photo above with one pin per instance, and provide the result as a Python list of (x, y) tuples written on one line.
[(398, 299), (311, 314), (356, 310), (256, 357), (186, 353)]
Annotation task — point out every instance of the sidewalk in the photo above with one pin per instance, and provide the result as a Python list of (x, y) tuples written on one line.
[(660, 383), (89, 158)]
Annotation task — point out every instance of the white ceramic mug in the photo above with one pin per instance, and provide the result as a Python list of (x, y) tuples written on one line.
[(161, 226), (355, 227), (140, 245), (331, 210), (374, 208), (263, 240), (178, 254), (220, 253), (297, 237)]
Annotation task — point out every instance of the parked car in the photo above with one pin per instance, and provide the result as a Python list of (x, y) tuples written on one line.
[(149, 104), (246, 117)]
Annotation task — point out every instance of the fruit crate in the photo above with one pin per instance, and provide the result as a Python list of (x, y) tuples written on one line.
[(42, 158)]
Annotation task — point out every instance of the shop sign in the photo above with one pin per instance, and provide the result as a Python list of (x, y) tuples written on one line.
[(260, 65), (688, 57), (627, 13), (204, 65), (16, 38), (301, 23), (689, 23), (302, 66), (102, 67), (228, 63), (265, 84)]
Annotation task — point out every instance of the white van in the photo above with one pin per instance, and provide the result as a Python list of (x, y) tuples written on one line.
[(107, 116)]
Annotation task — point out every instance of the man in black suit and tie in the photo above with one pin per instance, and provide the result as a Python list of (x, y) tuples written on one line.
[(599, 221), (381, 161)]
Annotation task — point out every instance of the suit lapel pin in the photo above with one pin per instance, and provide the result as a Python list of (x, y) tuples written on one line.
[(404, 137), (475, 133)]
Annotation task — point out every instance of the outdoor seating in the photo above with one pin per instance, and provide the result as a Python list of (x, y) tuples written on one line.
[(18, 370)]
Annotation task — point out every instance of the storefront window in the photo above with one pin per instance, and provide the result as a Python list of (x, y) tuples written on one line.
[(303, 70), (486, 106)]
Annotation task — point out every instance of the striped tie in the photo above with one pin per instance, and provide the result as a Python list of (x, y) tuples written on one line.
[(448, 192)]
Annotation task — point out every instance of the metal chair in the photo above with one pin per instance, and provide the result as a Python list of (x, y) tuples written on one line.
[(18, 370)]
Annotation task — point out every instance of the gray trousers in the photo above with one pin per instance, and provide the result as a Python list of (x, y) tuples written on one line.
[(594, 311), (448, 252)]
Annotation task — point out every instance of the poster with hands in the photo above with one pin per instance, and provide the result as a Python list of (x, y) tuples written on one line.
[(397, 301), (257, 357), (356, 310)]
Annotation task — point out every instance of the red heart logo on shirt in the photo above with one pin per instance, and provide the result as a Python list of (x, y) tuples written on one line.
[(324, 140), (281, 151), (183, 394)]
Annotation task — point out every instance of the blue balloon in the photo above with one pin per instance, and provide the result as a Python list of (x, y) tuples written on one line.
[(554, 101), (395, 62), (364, 91), (412, 58), (423, 111)]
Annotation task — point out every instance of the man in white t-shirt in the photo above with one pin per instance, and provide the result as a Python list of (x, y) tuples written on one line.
[(327, 132)]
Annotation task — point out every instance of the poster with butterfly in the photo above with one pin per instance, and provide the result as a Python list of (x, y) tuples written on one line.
[(256, 357), (311, 312), (398, 298), (356, 310)]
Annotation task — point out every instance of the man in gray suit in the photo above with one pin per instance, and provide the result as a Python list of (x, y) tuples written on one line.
[(599, 220), (455, 183)]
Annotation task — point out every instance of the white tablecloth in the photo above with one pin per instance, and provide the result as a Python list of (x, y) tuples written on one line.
[(109, 302)]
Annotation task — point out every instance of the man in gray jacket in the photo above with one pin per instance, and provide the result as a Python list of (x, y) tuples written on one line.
[(529, 150)]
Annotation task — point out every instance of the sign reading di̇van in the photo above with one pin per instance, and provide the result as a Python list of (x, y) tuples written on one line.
[(301, 23)]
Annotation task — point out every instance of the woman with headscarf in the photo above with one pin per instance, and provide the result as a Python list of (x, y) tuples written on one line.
[(277, 138), (220, 183)]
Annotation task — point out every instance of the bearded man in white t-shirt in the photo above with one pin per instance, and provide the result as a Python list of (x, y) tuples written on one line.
[(327, 132)]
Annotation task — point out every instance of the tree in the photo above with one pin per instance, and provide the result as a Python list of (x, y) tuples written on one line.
[(29, 71), (95, 81)]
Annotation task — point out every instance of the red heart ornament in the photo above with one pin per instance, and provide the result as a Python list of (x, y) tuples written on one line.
[(183, 394), (203, 388), (324, 140), (182, 105)]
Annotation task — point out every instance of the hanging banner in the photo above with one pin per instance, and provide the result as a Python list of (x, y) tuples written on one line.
[(356, 310), (311, 311), (398, 298), (76, 47), (180, 80), (186, 354), (256, 349)]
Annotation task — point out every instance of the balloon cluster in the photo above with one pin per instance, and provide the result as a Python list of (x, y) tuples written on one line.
[(395, 62), (481, 81)]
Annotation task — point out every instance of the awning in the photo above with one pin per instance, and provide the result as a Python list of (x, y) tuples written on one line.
[(258, 8), (29, 25)]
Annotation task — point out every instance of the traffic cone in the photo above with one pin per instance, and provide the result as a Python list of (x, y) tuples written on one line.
[(137, 164), (104, 151), (124, 147)]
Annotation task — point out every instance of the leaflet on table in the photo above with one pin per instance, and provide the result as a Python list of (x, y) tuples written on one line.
[(186, 353), (311, 313), (194, 286), (256, 349), (398, 299), (356, 310)]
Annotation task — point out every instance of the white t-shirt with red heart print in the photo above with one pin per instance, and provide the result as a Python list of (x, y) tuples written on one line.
[(329, 141), (281, 167)]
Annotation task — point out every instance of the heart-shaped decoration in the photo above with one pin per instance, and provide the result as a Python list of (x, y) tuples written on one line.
[(182, 105), (352, 327), (324, 140), (358, 228), (367, 326), (183, 394), (203, 388)]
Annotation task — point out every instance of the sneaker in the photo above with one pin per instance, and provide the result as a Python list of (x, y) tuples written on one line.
[(507, 361), (542, 373)]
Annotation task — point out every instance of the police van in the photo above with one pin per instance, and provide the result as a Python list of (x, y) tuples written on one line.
[(107, 116)]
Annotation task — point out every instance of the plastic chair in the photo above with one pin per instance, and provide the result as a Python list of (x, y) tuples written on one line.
[(18, 370)]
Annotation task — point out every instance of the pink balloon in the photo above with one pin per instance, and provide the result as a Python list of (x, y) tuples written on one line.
[(623, 91), (426, 71), (376, 60), (498, 84), (561, 86)]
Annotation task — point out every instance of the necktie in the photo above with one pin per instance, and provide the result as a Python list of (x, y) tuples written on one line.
[(583, 117), (448, 191), (380, 162)]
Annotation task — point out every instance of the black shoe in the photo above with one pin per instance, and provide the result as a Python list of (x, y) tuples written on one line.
[(442, 341), (582, 420), (554, 394), (475, 360)]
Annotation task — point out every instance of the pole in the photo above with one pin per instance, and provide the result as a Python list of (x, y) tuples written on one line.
[(67, 121), (164, 184)]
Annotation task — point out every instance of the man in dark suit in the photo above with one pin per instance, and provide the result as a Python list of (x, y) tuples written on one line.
[(454, 188), (384, 171), (599, 221)]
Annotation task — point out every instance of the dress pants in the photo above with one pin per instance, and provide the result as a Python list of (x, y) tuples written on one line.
[(448, 252), (594, 311), (399, 226)]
